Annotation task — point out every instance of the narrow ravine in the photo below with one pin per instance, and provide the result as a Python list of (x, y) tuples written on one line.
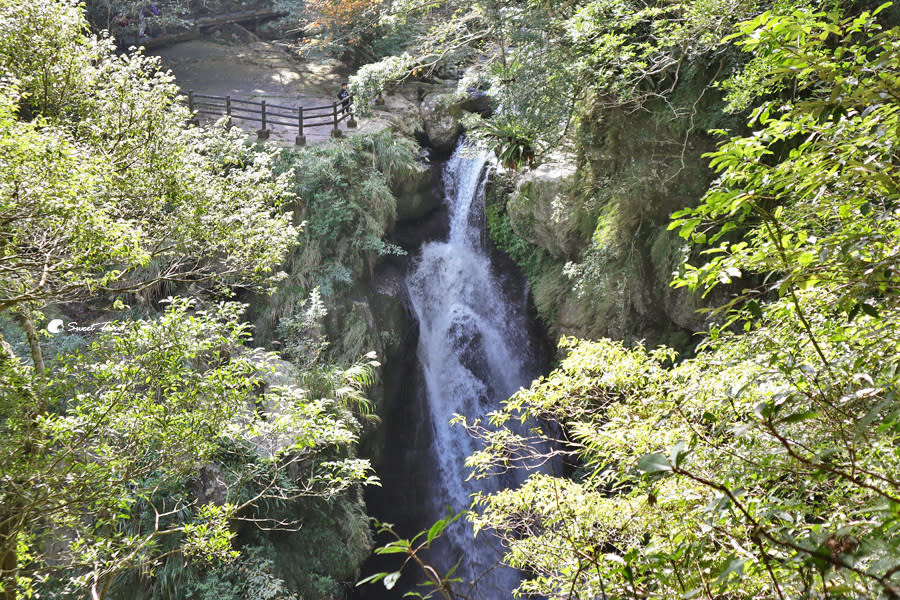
[(474, 351)]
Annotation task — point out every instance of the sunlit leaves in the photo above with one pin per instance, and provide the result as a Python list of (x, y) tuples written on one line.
[(107, 189), (701, 456), (333, 14), (140, 412), (760, 467), (103, 176), (816, 183)]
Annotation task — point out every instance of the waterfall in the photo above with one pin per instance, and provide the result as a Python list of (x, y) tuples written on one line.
[(474, 351)]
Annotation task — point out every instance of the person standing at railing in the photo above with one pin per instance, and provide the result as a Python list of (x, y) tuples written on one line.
[(344, 97)]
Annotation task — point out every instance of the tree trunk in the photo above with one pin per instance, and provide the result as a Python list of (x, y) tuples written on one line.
[(8, 573), (23, 316), (8, 558)]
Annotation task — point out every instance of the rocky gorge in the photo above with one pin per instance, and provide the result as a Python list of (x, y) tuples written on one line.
[(587, 225)]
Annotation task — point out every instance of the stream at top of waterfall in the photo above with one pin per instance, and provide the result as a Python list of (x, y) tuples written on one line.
[(476, 346)]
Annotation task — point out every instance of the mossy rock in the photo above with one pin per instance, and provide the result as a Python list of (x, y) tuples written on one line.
[(544, 209), (415, 197), (397, 113), (441, 118)]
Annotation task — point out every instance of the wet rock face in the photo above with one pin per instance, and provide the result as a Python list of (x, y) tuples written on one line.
[(415, 194), (430, 113), (209, 486), (398, 113), (477, 101), (605, 214), (467, 342)]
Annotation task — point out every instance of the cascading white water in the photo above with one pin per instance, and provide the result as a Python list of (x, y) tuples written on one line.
[(474, 352)]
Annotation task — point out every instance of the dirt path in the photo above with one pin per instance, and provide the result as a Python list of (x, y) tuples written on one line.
[(256, 71)]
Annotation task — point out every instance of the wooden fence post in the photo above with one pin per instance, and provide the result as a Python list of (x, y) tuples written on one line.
[(263, 133), (336, 132), (194, 117), (228, 112), (300, 140), (351, 122)]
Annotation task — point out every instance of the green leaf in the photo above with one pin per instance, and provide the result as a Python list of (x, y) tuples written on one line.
[(678, 453), (869, 309), (436, 529), (882, 7), (390, 580), (654, 463), (754, 309), (801, 416), (371, 578), (735, 566), (395, 547), (869, 418)]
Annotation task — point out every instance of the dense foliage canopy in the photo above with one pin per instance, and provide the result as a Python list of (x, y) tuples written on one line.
[(544, 63), (762, 465), (765, 466), (141, 447)]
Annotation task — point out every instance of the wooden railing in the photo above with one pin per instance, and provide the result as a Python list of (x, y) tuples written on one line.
[(267, 114)]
